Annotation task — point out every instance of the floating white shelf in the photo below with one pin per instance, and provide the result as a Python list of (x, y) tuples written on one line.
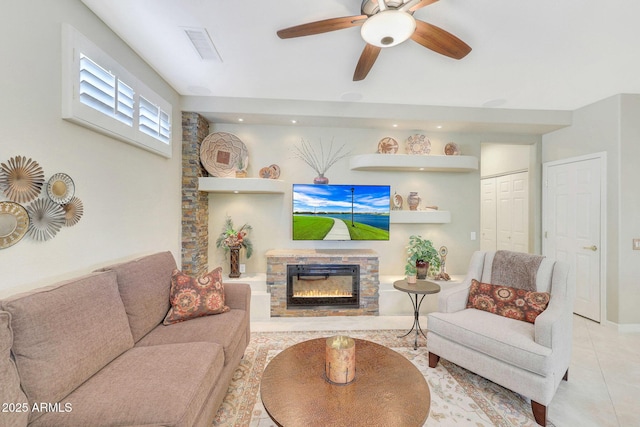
[(420, 217), (413, 162), (242, 185)]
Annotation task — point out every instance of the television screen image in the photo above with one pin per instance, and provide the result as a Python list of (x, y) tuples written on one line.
[(341, 212)]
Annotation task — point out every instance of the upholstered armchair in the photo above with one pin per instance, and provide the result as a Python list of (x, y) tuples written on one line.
[(528, 358)]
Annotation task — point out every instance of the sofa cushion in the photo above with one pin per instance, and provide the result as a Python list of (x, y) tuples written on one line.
[(193, 297), (227, 329), (65, 333), (10, 392), (165, 385), (508, 340), (144, 285), (506, 301)]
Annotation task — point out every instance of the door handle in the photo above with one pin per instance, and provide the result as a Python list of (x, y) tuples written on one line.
[(591, 248)]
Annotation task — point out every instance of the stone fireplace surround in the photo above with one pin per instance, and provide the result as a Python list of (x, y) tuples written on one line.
[(278, 259)]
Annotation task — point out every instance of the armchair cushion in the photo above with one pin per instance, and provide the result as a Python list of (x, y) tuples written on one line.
[(508, 340), (506, 301)]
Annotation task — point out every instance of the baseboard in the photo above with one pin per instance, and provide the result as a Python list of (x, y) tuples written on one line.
[(623, 328)]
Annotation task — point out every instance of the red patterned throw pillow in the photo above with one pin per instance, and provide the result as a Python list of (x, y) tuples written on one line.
[(509, 302), (195, 297)]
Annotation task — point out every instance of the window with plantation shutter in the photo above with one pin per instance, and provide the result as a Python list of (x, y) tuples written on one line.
[(153, 121), (103, 91), (100, 94)]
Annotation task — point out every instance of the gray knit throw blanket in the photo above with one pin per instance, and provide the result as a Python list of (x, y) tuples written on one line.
[(515, 269)]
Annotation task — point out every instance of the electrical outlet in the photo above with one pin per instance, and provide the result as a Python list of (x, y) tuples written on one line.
[(636, 244), (243, 268)]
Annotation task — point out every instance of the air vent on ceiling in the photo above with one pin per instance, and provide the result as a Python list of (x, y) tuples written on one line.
[(203, 44)]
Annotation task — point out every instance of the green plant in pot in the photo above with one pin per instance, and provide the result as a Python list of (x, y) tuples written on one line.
[(422, 255), (411, 272)]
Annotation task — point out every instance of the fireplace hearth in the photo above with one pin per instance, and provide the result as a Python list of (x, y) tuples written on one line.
[(311, 286)]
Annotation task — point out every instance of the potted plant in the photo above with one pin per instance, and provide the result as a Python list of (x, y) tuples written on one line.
[(232, 240), (422, 254), (411, 272)]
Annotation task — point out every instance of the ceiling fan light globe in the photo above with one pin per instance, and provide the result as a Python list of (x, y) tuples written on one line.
[(388, 28)]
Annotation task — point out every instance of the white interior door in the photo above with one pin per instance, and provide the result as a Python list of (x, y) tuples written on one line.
[(488, 218), (572, 224)]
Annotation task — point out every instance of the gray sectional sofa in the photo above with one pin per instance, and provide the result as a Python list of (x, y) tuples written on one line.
[(93, 351)]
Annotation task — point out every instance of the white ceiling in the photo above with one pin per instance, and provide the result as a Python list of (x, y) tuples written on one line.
[(533, 55)]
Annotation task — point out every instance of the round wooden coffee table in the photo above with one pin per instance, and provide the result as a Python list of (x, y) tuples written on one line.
[(388, 390)]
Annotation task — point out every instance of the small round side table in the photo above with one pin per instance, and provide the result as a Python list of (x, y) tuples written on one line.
[(421, 287)]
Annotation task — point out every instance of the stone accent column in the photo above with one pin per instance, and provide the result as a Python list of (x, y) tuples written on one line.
[(195, 204)]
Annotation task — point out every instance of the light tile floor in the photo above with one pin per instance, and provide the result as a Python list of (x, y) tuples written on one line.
[(604, 377)]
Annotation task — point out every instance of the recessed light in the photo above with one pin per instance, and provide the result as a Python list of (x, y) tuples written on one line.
[(235, 192), (240, 119), (421, 169), (294, 121), (395, 125), (439, 127)]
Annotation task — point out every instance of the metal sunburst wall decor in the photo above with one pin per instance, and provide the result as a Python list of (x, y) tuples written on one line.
[(36, 209), (21, 179)]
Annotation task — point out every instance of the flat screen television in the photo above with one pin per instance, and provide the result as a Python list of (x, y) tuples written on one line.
[(341, 212)]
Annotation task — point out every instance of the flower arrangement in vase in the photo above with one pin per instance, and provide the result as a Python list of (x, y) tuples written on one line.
[(231, 241)]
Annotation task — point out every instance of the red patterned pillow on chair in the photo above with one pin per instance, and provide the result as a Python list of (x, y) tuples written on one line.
[(195, 297), (509, 302)]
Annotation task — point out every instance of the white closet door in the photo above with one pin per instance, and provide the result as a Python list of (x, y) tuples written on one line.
[(520, 212), (488, 220), (505, 213)]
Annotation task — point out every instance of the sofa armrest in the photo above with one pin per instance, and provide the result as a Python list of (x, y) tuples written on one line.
[(551, 324), (455, 298), (553, 327), (237, 295)]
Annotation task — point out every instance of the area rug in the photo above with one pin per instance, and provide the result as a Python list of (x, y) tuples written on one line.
[(458, 397)]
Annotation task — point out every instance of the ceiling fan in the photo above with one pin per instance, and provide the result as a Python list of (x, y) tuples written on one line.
[(386, 23)]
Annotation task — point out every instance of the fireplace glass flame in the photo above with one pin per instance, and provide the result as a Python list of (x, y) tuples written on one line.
[(323, 285)]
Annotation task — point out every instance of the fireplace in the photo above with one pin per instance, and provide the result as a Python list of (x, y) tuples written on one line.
[(364, 303), (312, 286)]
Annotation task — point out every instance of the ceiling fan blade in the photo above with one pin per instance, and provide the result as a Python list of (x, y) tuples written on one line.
[(439, 40), (418, 4), (323, 26), (366, 61)]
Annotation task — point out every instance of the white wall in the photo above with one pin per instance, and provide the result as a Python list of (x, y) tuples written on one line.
[(500, 159), (131, 197), (270, 215), (629, 260), (611, 126)]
